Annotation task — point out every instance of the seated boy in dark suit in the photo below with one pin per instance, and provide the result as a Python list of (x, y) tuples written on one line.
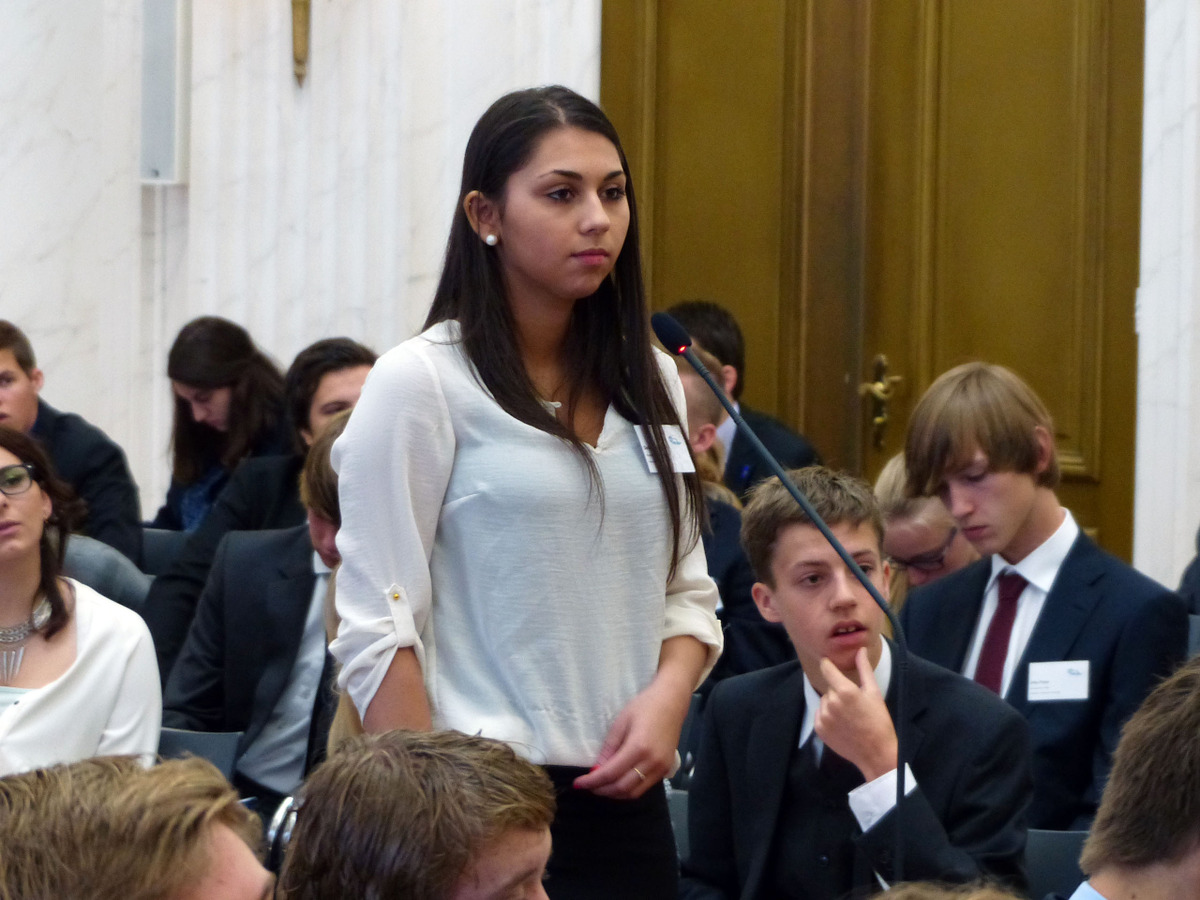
[(255, 659), (714, 328), (263, 492), (1070, 636), (795, 782)]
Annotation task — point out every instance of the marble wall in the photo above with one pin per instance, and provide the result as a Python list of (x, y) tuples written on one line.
[(306, 211), (1167, 487)]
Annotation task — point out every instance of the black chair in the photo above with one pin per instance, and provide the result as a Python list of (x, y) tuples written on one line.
[(218, 747), (107, 571), (1052, 861), (677, 804)]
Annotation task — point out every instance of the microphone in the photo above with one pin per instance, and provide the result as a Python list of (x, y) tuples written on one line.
[(676, 340)]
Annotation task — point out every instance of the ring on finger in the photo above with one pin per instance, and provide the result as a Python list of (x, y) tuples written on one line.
[(640, 774)]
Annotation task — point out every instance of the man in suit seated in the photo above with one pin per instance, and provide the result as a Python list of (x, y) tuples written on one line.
[(434, 815), (1070, 636), (255, 659), (795, 782), (263, 492), (83, 455), (1145, 843), (717, 331), (750, 641)]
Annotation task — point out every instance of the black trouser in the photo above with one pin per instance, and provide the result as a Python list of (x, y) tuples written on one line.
[(606, 849)]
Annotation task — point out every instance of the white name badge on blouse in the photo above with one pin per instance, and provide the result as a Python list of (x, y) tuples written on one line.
[(681, 459), (1067, 680)]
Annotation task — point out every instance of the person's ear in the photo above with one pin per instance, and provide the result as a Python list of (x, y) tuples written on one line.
[(38, 379), (1045, 448), (729, 379), (764, 599), (703, 438), (483, 216)]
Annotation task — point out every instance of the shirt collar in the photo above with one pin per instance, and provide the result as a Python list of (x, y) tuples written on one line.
[(726, 430), (319, 567), (1041, 566)]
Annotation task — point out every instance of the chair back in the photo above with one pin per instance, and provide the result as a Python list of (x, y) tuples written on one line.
[(218, 747), (1052, 861)]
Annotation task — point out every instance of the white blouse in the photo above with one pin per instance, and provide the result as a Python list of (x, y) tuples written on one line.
[(107, 703), (536, 608)]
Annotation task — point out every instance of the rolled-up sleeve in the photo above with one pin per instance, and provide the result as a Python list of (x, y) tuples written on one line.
[(393, 463)]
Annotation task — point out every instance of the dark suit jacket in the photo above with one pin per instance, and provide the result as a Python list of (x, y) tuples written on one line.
[(95, 467), (743, 466), (246, 635), (751, 642), (264, 492), (968, 752), (1132, 630)]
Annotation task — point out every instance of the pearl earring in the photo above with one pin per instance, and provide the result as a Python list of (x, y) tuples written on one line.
[(491, 240)]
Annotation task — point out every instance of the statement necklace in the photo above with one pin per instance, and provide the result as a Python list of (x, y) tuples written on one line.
[(13, 639)]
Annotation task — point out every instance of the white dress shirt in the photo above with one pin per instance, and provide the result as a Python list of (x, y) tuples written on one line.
[(1039, 569), (536, 605)]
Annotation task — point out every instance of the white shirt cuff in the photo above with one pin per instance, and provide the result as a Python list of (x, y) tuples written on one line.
[(872, 801)]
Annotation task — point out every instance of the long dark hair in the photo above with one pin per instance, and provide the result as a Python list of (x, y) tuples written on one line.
[(608, 339), (209, 353), (65, 512)]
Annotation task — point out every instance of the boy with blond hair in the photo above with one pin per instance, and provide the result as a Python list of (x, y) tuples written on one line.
[(109, 829), (795, 783), (1070, 636)]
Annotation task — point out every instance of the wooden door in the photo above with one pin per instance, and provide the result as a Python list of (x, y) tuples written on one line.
[(928, 180)]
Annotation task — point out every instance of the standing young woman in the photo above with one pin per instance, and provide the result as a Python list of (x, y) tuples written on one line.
[(512, 565), (228, 406)]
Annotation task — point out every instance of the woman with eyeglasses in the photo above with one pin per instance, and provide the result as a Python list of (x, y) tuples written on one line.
[(77, 671), (921, 540)]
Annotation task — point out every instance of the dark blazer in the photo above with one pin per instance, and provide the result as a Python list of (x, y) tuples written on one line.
[(1133, 632), (243, 643), (751, 642), (743, 466), (968, 752), (95, 467), (276, 441), (264, 492)]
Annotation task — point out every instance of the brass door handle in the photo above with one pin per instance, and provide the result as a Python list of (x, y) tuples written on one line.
[(880, 391)]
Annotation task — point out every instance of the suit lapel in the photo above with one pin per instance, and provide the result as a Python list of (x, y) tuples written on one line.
[(957, 618), (1068, 607), (285, 609), (772, 738)]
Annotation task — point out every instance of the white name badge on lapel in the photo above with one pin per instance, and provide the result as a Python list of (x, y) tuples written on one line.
[(1067, 680), (681, 459)]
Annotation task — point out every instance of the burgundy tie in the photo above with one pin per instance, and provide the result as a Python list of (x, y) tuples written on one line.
[(990, 670)]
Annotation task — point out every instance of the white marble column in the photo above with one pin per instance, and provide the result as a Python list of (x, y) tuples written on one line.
[(69, 191), (1167, 492), (307, 211)]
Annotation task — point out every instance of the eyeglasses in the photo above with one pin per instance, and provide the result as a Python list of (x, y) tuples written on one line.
[(931, 561), (16, 479)]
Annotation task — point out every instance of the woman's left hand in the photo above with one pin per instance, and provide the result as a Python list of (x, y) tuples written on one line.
[(639, 749)]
